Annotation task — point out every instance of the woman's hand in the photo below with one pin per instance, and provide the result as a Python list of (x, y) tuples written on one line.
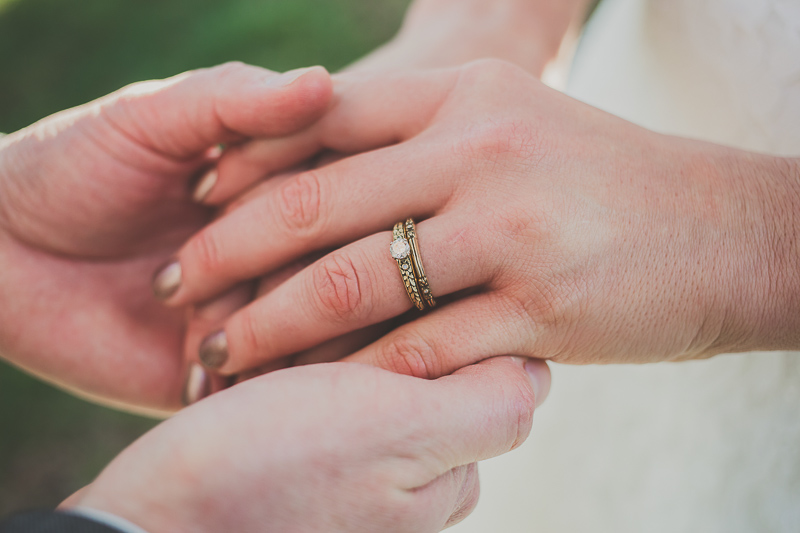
[(434, 34), (333, 448), (560, 231), (94, 198)]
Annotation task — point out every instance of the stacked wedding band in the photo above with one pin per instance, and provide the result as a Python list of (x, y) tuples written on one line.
[(405, 250)]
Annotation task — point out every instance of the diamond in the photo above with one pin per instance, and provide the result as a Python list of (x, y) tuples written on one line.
[(400, 249)]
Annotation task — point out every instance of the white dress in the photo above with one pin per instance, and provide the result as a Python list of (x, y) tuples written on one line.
[(708, 446)]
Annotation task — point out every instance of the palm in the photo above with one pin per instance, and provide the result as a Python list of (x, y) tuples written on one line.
[(96, 199), (90, 257)]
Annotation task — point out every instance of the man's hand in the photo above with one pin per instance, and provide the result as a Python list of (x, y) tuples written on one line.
[(334, 448), (93, 199)]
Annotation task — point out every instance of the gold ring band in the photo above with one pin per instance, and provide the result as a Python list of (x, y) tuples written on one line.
[(419, 270), (401, 252)]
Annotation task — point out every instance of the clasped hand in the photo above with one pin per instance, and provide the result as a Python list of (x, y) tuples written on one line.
[(91, 201), (551, 229)]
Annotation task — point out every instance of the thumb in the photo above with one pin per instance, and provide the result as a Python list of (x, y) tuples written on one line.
[(486, 410), (187, 114)]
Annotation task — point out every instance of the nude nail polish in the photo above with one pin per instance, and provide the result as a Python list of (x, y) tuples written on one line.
[(197, 386), (167, 280), (205, 185), (214, 350)]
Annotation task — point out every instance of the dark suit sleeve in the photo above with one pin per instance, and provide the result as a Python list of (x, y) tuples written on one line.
[(52, 522)]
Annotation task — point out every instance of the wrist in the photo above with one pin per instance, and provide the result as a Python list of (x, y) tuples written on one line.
[(763, 295), (445, 33)]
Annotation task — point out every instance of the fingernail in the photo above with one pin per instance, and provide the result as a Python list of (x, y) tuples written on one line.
[(205, 185), (167, 280), (539, 375), (287, 78), (214, 350), (198, 385)]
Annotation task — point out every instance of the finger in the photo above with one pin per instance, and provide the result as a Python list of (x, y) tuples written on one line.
[(207, 317), (242, 166), (210, 316), (183, 116), (451, 337), (272, 366), (258, 190), (298, 214), (350, 289), (367, 112), (343, 346), (483, 410), (200, 383), (327, 352)]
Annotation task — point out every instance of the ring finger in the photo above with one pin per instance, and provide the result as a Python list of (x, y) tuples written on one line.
[(350, 289), (296, 215)]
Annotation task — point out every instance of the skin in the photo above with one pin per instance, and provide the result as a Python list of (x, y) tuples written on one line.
[(582, 238), (93, 199), (281, 449), (435, 33)]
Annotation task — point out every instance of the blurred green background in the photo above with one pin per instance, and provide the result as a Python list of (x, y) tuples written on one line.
[(56, 54)]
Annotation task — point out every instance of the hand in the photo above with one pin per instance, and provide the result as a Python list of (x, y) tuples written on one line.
[(582, 238), (435, 33), (94, 198), (334, 448)]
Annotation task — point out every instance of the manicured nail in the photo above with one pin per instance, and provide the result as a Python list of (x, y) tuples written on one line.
[(214, 350), (287, 78), (539, 374), (167, 280), (205, 185), (198, 385)]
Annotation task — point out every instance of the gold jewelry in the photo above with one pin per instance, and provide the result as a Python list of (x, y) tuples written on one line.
[(416, 260), (401, 251)]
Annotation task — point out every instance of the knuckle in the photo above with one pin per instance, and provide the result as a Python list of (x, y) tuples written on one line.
[(521, 406), (410, 355), (229, 69), (517, 225), (300, 203), (342, 287), (501, 139), (208, 252)]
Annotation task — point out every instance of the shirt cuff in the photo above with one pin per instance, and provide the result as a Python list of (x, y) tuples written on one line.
[(108, 519)]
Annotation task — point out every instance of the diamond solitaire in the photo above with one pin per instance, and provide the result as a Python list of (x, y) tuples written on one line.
[(400, 249)]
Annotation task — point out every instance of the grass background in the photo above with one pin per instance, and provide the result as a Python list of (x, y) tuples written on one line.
[(56, 54)]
